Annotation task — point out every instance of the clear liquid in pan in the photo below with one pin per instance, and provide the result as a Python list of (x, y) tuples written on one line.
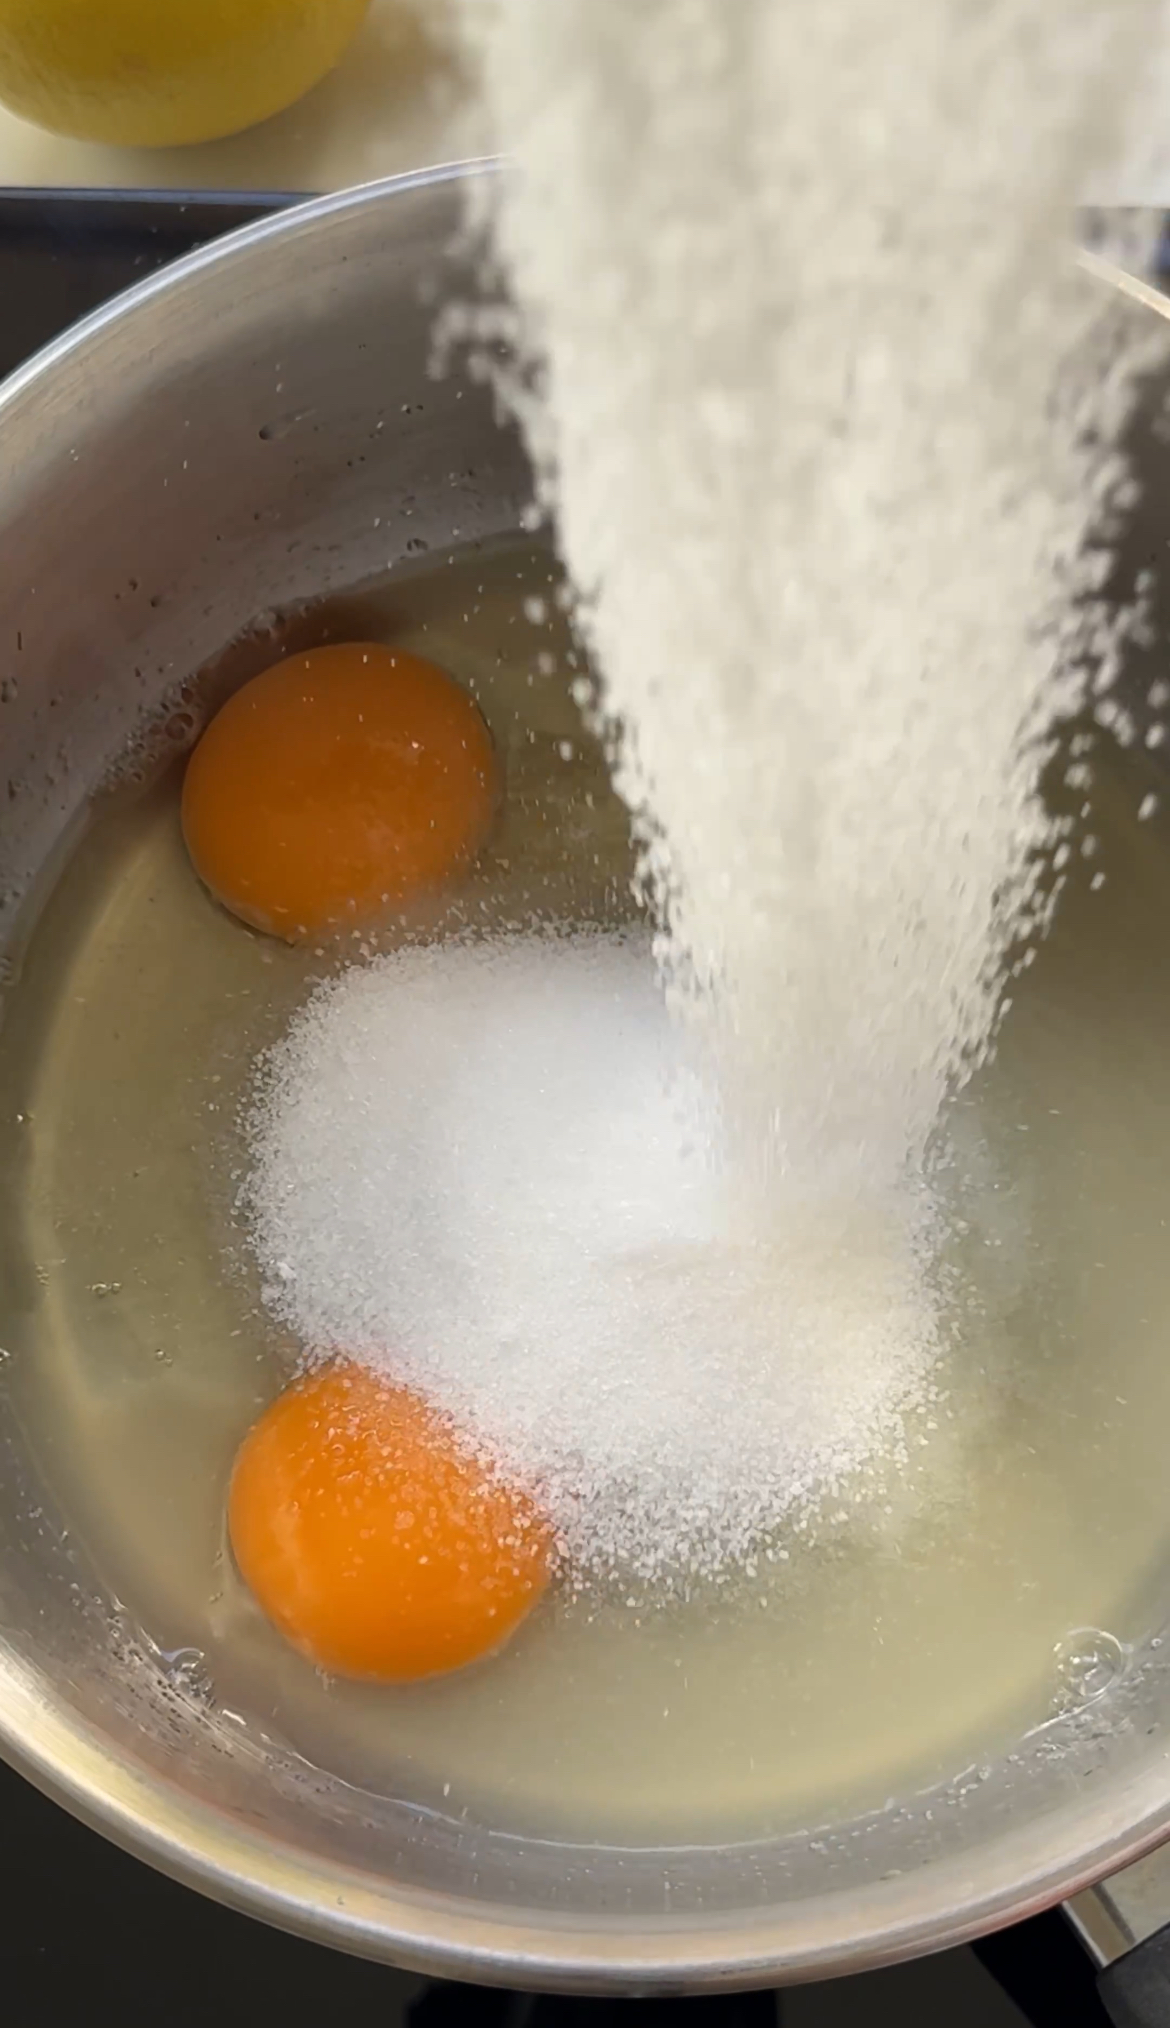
[(909, 1638)]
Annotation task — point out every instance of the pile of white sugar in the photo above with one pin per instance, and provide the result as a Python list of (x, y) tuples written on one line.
[(824, 415), (489, 1170)]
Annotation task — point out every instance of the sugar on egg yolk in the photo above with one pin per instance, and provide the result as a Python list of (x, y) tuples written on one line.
[(337, 784), (375, 1542)]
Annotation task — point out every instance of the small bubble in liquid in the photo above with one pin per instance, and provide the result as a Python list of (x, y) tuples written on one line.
[(187, 1669), (1088, 1663), (281, 426)]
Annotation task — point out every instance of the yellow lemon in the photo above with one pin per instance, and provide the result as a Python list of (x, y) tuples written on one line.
[(160, 73)]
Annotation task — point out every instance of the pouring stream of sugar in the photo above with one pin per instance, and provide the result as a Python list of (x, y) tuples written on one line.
[(825, 417)]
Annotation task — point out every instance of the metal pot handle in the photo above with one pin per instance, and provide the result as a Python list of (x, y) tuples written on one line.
[(1124, 1925)]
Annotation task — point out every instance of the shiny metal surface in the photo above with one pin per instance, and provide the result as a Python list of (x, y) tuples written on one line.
[(239, 433)]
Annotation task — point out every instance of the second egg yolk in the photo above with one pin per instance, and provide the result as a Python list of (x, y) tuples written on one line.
[(372, 1539), (337, 784)]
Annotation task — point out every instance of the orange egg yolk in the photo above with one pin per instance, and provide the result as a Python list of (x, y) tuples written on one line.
[(337, 785), (372, 1540)]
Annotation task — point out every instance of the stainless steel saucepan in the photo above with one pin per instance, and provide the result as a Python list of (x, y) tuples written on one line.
[(227, 436)]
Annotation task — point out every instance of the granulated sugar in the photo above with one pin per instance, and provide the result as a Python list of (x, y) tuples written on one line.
[(490, 1170), (822, 411), (811, 380)]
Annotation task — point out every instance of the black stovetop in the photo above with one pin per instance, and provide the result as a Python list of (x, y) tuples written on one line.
[(85, 1930)]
